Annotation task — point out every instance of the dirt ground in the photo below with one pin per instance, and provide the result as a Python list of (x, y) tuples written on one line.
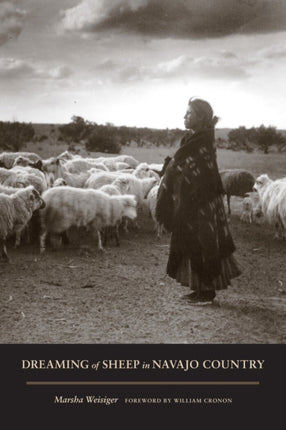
[(77, 295)]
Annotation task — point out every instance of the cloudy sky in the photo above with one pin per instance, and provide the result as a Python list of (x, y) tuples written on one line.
[(137, 62)]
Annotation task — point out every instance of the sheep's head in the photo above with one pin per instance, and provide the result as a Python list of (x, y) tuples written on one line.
[(66, 155), (143, 171), (50, 165), (122, 184), (31, 195), (21, 161), (59, 182), (261, 182), (130, 205), (37, 165)]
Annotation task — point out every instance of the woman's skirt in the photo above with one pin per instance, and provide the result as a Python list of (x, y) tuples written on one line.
[(189, 278)]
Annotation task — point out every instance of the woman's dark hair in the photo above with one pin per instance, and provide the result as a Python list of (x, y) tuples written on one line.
[(204, 112)]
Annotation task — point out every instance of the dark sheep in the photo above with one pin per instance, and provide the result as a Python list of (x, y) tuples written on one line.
[(236, 182)]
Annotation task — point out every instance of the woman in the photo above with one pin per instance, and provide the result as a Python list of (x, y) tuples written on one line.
[(190, 205)]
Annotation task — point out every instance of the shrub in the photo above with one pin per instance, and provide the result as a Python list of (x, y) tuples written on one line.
[(100, 141), (13, 135)]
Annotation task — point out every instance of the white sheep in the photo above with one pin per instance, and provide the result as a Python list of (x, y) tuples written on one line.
[(66, 155), (120, 165), (9, 190), (131, 161), (236, 182), (18, 178), (24, 161), (29, 176), (7, 177), (71, 179), (97, 179), (272, 198), (16, 210), (251, 208), (151, 201), (113, 190), (156, 166), (143, 170), (7, 159), (111, 164), (247, 210), (50, 165), (32, 224), (136, 186), (79, 165), (59, 182), (68, 206), (110, 189)]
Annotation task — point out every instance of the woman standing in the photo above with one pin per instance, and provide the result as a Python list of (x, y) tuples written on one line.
[(190, 205)]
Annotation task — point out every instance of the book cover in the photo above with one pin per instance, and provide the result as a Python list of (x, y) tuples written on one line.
[(97, 334)]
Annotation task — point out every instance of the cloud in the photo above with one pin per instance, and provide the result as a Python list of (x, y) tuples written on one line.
[(211, 67), (222, 65), (12, 68), (180, 18), (11, 21)]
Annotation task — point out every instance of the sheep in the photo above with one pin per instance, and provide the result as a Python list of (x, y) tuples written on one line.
[(28, 176), (236, 182), (20, 176), (50, 165), (111, 164), (66, 155), (7, 177), (7, 159), (143, 170), (74, 180), (157, 167), (33, 223), (112, 190), (9, 190), (97, 179), (24, 161), (151, 200), (23, 176), (251, 208), (79, 165), (131, 161), (247, 210), (68, 206), (59, 182), (136, 186), (120, 165), (272, 197), (16, 210)]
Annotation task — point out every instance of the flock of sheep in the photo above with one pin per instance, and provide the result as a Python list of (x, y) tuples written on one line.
[(66, 191), (103, 193)]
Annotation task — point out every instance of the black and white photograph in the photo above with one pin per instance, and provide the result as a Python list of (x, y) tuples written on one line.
[(143, 197)]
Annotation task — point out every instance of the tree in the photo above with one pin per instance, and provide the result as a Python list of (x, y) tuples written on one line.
[(240, 137), (268, 136), (76, 130), (13, 135), (101, 140)]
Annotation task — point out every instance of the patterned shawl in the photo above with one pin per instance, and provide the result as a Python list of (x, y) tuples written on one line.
[(190, 205)]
